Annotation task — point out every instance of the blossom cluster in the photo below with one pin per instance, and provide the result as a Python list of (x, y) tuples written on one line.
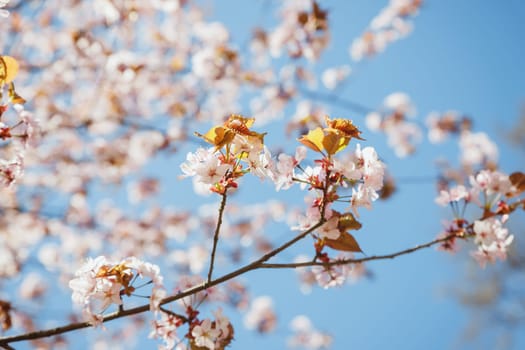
[(442, 125), (360, 172), (237, 151), (306, 336), (217, 169), (100, 283), (303, 31), (393, 119), (391, 24), (17, 130), (203, 333), (332, 273), (493, 240), (476, 148), (492, 192), (212, 334), (261, 315)]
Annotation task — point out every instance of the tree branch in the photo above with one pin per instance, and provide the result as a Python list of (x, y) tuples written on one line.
[(336, 100), (259, 263), (357, 261), (216, 235), (139, 309)]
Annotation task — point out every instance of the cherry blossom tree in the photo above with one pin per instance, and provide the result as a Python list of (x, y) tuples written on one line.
[(148, 158)]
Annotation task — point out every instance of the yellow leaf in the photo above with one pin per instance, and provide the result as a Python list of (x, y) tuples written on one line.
[(345, 126), (346, 243), (333, 141), (218, 136), (15, 98), (241, 125), (8, 69), (313, 140)]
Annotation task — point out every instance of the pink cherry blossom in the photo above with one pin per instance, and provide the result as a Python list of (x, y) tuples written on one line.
[(306, 336), (100, 283), (332, 77), (204, 335), (477, 149), (261, 315), (391, 24), (393, 120), (283, 171), (454, 194), (493, 240), (166, 328), (11, 171), (330, 229), (372, 169), (491, 182), (331, 276), (205, 165), (362, 196)]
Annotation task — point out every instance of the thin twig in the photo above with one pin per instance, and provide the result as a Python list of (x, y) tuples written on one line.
[(171, 313), (6, 347), (361, 260), (337, 100), (216, 235)]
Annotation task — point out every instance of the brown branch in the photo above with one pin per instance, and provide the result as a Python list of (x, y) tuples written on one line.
[(139, 309), (6, 347), (171, 313), (361, 260), (216, 235), (336, 100)]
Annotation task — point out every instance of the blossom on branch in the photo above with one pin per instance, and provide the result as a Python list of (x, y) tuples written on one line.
[(306, 336), (330, 276), (302, 32), (99, 283), (283, 171), (391, 24), (261, 315), (477, 149), (441, 125), (492, 239), (393, 120), (166, 328), (238, 150)]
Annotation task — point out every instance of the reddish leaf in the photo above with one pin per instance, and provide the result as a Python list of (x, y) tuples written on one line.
[(346, 243), (518, 180), (348, 222)]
